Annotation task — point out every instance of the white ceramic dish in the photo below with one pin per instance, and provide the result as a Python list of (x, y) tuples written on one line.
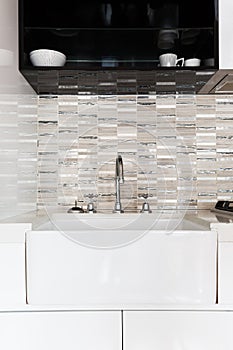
[(192, 62), (45, 57)]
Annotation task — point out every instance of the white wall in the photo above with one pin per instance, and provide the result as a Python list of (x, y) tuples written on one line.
[(11, 81), (18, 114)]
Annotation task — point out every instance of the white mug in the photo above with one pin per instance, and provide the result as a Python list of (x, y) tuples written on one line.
[(192, 62), (170, 60)]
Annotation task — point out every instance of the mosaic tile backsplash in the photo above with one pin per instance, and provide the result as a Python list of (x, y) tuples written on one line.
[(178, 149)]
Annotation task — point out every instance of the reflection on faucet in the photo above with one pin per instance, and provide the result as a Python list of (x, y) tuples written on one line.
[(119, 179)]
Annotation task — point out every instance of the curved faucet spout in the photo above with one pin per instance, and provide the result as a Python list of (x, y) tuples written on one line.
[(119, 172), (119, 179)]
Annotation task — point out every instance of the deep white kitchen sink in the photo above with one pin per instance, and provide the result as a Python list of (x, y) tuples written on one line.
[(121, 259), (128, 221)]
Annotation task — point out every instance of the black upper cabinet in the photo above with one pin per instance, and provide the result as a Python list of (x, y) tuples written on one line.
[(120, 33), (119, 13), (97, 35)]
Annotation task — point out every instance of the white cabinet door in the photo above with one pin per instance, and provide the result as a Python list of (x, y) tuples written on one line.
[(225, 273), (178, 330), (225, 34), (12, 274), (60, 331), (12, 264), (225, 262)]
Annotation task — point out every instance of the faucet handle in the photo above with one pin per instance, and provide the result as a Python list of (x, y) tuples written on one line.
[(91, 196), (145, 205), (144, 195), (90, 205)]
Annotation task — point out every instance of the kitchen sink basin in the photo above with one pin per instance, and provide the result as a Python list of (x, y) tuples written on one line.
[(128, 221)]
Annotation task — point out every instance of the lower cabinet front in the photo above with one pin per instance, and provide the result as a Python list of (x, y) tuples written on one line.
[(87, 330), (103, 330), (178, 330)]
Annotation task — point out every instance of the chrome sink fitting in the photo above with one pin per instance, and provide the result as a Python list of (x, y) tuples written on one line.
[(76, 209), (119, 179), (91, 206), (145, 205)]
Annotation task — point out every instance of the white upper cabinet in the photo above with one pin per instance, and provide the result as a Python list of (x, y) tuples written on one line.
[(225, 34)]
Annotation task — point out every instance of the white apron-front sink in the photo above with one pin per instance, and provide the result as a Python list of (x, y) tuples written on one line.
[(121, 267)]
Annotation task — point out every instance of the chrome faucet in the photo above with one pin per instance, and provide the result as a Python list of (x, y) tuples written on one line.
[(119, 179)]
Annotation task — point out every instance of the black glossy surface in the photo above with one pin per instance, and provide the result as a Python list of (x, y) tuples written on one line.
[(125, 36), (119, 13)]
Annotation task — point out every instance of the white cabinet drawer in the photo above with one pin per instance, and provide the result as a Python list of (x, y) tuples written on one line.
[(173, 330), (60, 331)]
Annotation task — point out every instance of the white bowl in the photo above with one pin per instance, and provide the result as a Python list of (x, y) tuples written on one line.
[(192, 62), (45, 57)]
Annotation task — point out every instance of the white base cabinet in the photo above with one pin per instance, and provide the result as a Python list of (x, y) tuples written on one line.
[(225, 277), (104, 330), (178, 330), (225, 263), (12, 264), (87, 330)]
